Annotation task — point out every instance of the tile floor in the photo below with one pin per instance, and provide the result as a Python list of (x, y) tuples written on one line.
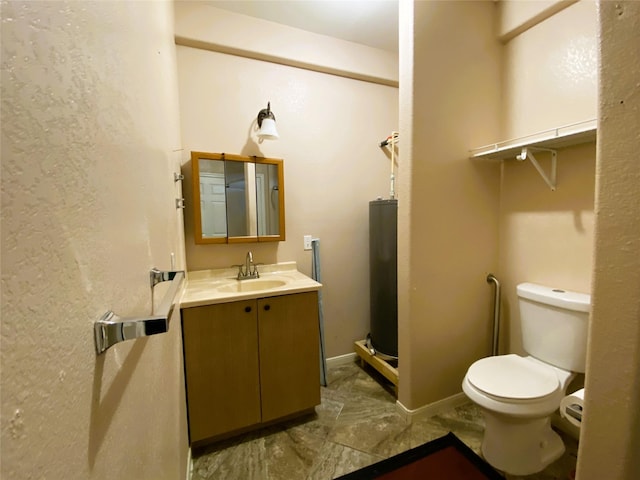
[(356, 425)]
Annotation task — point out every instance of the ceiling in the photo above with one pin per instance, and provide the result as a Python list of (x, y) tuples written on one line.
[(368, 22)]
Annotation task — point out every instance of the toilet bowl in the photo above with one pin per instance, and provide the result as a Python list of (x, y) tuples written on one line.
[(517, 394)]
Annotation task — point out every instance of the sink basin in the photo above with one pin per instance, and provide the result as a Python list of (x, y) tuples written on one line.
[(252, 285)]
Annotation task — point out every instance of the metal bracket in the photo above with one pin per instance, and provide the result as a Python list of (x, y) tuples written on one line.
[(111, 328), (156, 276), (527, 153), (177, 177)]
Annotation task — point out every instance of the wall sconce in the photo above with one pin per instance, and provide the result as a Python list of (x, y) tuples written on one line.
[(267, 124)]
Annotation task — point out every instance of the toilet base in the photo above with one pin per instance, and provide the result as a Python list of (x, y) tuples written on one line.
[(519, 446)]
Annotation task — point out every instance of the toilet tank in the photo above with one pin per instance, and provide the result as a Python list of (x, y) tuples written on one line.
[(554, 325)]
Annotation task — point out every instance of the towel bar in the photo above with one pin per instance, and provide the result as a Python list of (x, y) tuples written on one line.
[(111, 328)]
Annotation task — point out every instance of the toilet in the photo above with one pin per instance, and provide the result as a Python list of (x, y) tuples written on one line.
[(517, 394)]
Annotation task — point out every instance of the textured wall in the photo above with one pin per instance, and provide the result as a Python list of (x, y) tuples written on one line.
[(89, 129), (610, 437), (550, 72)]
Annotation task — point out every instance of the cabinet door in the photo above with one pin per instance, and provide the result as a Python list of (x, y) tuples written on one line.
[(221, 368), (289, 358)]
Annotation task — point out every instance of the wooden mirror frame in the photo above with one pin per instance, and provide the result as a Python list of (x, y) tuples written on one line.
[(197, 213)]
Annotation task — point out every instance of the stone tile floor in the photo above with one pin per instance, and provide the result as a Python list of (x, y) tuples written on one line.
[(357, 424)]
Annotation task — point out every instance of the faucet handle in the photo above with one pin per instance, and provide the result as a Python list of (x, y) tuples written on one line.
[(255, 269), (240, 273)]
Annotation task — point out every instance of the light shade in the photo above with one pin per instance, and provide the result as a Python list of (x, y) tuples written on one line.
[(267, 124), (268, 129)]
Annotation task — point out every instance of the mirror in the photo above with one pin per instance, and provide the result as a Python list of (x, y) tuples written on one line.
[(237, 198)]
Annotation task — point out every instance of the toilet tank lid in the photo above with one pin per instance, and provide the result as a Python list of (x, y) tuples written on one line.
[(580, 302)]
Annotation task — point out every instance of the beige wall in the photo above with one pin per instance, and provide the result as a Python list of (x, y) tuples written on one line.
[(89, 129), (546, 237), (330, 128), (507, 222), (199, 24), (448, 239), (610, 437), (550, 75), (550, 72), (517, 16), (88, 134)]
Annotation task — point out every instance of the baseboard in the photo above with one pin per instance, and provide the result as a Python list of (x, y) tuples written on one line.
[(433, 408), (341, 360)]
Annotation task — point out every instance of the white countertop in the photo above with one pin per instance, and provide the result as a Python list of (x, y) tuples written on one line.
[(208, 287)]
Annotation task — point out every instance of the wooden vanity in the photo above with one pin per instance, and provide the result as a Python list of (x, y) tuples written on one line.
[(250, 359)]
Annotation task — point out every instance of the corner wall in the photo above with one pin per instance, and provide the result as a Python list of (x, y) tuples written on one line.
[(89, 133), (451, 234)]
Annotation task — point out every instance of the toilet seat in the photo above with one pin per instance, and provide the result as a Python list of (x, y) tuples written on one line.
[(512, 378)]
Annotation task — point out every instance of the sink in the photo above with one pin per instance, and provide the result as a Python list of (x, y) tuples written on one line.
[(209, 287), (252, 285)]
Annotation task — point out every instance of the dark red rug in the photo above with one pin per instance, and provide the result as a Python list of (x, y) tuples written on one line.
[(445, 458)]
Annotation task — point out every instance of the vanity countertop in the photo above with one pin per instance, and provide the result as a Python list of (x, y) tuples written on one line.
[(208, 287)]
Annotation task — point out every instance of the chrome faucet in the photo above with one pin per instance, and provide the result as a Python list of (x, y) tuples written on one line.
[(248, 261), (250, 268)]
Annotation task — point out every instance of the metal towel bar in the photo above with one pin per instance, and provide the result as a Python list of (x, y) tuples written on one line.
[(112, 329)]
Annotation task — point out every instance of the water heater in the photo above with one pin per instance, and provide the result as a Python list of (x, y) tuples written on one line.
[(383, 272)]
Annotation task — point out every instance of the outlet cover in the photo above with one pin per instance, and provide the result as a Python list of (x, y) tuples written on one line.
[(307, 242)]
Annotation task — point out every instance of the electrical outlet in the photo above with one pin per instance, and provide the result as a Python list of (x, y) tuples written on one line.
[(307, 242)]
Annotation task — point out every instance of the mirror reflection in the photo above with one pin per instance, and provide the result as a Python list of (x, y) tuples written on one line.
[(240, 199), (268, 195), (212, 198), (237, 198)]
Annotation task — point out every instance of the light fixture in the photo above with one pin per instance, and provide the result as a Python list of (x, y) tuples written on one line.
[(267, 124)]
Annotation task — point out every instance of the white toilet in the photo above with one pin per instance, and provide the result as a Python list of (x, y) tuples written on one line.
[(518, 394)]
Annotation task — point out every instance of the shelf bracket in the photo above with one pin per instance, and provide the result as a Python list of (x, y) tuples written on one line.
[(527, 153)]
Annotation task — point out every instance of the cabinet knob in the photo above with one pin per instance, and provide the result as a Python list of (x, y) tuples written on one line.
[(267, 307), (247, 309)]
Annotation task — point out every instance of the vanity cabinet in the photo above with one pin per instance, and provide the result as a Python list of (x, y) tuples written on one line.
[(250, 362)]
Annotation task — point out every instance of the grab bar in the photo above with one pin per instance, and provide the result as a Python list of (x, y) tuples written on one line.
[(496, 313), (112, 329)]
